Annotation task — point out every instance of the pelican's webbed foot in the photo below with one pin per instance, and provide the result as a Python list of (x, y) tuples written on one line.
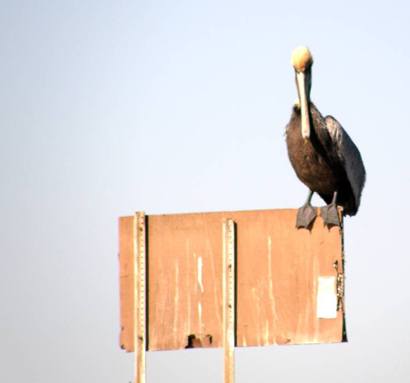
[(306, 214), (330, 213)]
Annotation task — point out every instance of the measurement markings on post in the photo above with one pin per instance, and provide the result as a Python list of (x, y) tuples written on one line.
[(140, 296)]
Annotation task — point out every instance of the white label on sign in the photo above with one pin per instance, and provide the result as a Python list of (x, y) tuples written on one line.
[(326, 298)]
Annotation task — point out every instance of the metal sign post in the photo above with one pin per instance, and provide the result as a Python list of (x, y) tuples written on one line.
[(228, 299), (139, 296)]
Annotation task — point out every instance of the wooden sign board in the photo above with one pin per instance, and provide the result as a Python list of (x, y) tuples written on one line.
[(289, 282)]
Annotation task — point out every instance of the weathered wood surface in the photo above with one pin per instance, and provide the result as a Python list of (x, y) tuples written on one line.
[(127, 263), (278, 268)]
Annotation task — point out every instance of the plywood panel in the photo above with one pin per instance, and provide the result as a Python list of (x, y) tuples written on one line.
[(185, 280), (277, 272), (278, 269), (126, 258)]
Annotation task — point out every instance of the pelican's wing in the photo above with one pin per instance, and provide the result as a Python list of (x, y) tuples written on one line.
[(348, 154)]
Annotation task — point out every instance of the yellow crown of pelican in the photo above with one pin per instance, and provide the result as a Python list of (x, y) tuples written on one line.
[(301, 58)]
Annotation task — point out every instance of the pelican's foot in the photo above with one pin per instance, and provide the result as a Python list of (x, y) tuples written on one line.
[(330, 215), (305, 217)]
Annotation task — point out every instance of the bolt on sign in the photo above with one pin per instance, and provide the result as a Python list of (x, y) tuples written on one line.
[(228, 279)]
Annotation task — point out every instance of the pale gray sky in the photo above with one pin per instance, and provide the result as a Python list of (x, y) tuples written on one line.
[(107, 107)]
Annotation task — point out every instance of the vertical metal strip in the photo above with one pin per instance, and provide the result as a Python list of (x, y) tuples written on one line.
[(139, 296), (229, 293)]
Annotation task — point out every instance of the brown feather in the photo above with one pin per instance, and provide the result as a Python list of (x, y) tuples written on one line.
[(314, 161)]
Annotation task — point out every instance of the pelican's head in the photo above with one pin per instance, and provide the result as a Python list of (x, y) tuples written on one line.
[(302, 61)]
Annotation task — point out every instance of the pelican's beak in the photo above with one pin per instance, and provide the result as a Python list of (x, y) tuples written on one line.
[(301, 83)]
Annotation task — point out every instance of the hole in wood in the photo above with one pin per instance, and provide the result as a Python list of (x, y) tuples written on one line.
[(199, 341)]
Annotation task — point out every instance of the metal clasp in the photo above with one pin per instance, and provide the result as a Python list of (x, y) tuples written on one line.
[(340, 286)]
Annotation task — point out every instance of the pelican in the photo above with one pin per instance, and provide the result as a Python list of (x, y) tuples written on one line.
[(322, 154)]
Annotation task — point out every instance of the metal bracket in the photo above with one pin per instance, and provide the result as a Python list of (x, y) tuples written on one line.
[(229, 301), (340, 286)]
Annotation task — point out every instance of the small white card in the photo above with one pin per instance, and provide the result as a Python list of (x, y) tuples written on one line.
[(326, 298)]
